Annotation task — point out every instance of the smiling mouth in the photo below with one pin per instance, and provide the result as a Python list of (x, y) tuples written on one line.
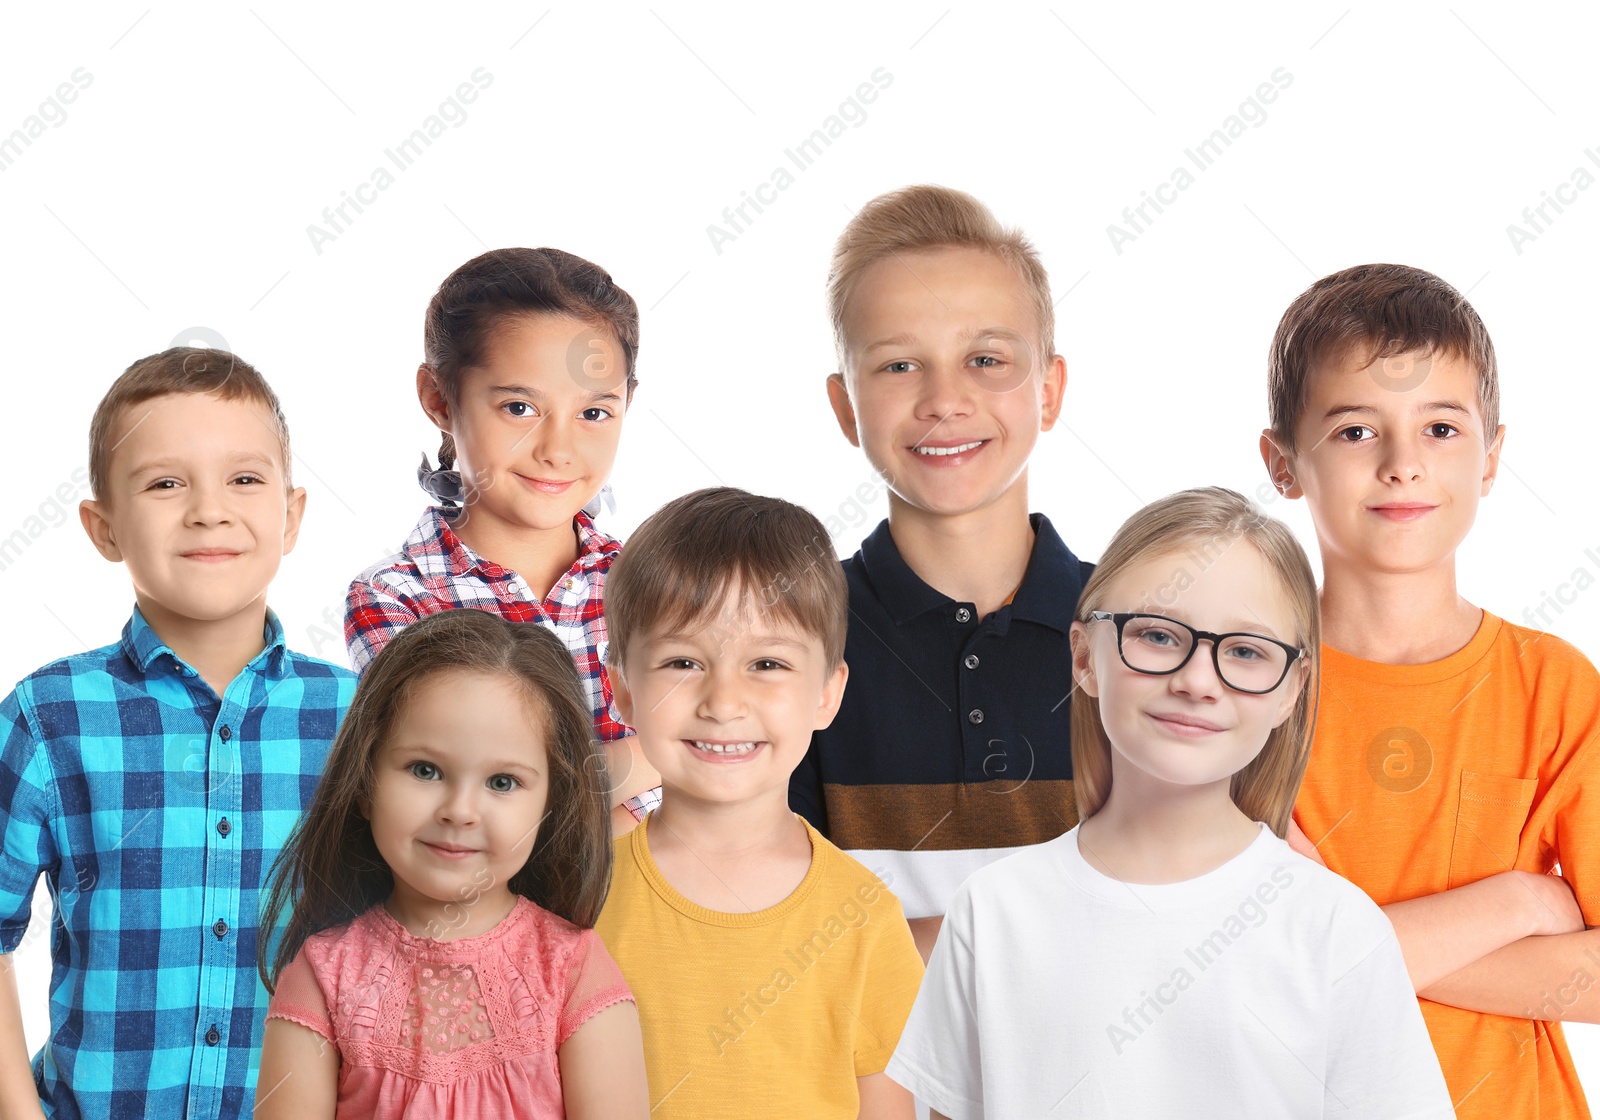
[(210, 554), (1402, 511), (732, 749), (450, 851), (548, 485), (1186, 725), (930, 451)]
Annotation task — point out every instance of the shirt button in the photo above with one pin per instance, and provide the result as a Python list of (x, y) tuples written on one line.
[(213, 1036), (963, 615), (975, 716), (220, 929), (972, 661), (223, 827), (226, 733)]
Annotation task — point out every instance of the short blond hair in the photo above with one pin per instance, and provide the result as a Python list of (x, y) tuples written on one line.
[(931, 217)]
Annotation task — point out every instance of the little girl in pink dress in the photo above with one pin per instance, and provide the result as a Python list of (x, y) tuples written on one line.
[(440, 958)]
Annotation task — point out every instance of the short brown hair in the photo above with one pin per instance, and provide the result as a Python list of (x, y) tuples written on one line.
[(1389, 309), (183, 369), (330, 870), (1214, 519), (476, 300), (932, 217), (679, 566)]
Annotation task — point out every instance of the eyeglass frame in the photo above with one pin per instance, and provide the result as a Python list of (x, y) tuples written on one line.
[(1122, 619)]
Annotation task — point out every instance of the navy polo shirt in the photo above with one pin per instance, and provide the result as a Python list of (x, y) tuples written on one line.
[(951, 747)]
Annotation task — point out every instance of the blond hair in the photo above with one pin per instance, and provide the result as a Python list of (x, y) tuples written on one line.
[(1214, 518), (931, 217)]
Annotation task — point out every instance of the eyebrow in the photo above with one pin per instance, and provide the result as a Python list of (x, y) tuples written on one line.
[(965, 336), (1363, 410), (529, 391), (168, 462)]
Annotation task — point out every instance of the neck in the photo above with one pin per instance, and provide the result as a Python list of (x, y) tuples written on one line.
[(539, 556), (218, 649), (723, 833), (978, 557), (1150, 831), (1404, 618)]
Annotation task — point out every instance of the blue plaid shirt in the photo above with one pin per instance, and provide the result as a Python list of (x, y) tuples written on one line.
[(154, 809)]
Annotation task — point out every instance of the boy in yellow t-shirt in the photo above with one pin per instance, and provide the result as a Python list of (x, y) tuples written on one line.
[(1453, 749), (773, 972)]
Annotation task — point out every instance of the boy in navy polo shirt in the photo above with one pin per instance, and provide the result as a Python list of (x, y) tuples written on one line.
[(952, 748), (153, 781)]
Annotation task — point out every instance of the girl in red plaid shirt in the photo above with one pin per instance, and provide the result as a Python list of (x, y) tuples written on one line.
[(528, 371)]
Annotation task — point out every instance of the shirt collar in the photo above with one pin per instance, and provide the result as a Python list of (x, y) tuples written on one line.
[(1048, 595), (441, 555), (143, 645)]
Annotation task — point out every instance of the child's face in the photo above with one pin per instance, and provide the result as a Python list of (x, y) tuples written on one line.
[(458, 793), (1188, 728), (536, 425), (944, 386), (196, 505), (726, 712), (1392, 460)]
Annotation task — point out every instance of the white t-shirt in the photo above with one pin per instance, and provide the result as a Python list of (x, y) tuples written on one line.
[(1269, 987)]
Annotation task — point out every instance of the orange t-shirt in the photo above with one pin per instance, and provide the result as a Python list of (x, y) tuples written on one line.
[(1428, 777)]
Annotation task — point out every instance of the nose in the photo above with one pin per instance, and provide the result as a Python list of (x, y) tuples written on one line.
[(459, 806), (1198, 678), (550, 441), (1402, 459), (208, 503), (945, 392), (722, 697)]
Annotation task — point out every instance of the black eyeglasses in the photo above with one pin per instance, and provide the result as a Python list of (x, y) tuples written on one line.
[(1160, 646)]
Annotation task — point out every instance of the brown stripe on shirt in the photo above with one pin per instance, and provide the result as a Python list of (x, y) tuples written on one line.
[(949, 817)]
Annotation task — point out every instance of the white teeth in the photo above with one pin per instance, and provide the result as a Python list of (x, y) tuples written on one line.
[(957, 450), (724, 748)]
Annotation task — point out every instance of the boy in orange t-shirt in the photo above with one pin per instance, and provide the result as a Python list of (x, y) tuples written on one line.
[(1453, 749)]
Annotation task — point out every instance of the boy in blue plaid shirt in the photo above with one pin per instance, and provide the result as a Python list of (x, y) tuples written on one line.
[(153, 781)]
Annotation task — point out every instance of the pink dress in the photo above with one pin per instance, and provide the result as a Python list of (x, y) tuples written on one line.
[(466, 1028)]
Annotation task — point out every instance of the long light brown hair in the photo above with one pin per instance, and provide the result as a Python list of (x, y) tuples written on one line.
[(1193, 527), (330, 871)]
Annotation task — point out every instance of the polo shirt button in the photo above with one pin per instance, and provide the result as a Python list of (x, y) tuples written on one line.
[(963, 615), (972, 661), (213, 1036), (975, 716), (220, 929), (223, 827), (226, 733)]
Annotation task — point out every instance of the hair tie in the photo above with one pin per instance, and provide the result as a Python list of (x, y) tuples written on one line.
[(444, 485), (605, 501)]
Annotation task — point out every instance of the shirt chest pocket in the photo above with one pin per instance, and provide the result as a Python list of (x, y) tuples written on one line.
[(1489, 818)]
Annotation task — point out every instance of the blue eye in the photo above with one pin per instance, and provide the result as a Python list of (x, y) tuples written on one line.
[(424, 771), (898, 367), (503, 783)]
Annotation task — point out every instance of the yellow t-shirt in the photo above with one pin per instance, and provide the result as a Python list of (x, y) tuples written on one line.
[(773, 1013), (1428, 777)]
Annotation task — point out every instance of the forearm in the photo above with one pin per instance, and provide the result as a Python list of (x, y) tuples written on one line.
[(19, 1096), (1442, 933), (1535, 978)]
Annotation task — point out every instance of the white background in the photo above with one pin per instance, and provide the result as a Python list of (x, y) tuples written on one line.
[(178, 191)]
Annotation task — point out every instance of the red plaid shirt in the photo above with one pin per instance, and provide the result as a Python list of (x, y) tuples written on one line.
[(434, 572)]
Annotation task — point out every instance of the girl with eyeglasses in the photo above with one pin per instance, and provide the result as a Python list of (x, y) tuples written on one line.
[(1171, 955)]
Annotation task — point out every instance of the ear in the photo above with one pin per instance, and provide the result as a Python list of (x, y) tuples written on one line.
[(97, 524), (832, 695), (621, 694), (1491, 466), (432, 398), (294, 513), (1051, 392), (843, 411), (1280, 466), (1082, 663)]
